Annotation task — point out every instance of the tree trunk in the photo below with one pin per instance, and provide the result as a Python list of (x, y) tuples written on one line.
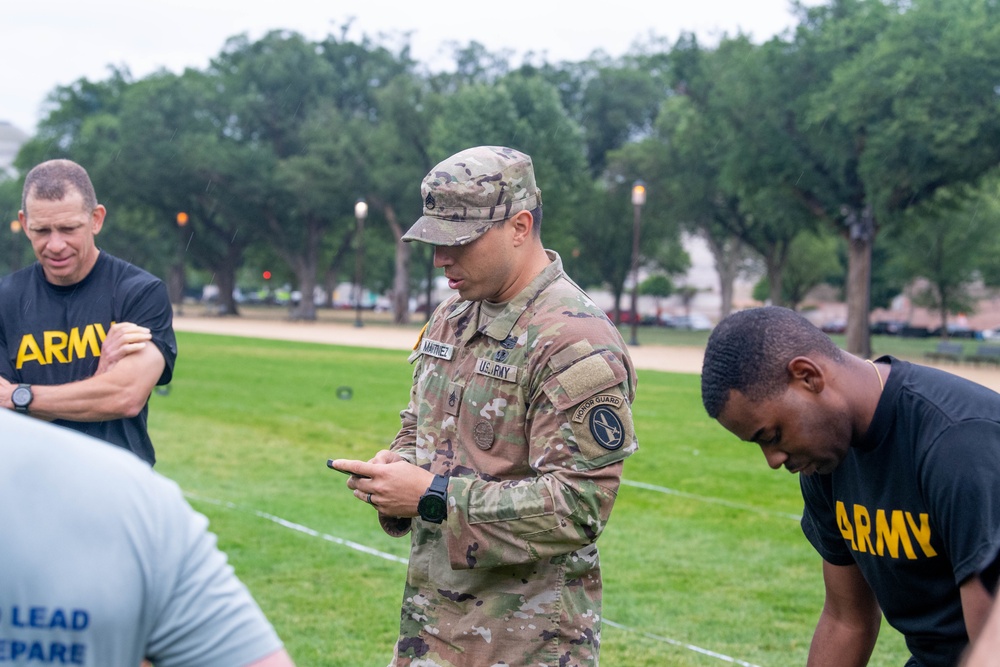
[(860, 238), (176, 281), (942, 291), (306, 310), (401, 271), (332, 274), (775, 266), (226, 280), (329, 285), (305, 272), (728, 254), (175, 285)]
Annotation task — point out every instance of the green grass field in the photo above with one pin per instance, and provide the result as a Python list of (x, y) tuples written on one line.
[(703, 559)]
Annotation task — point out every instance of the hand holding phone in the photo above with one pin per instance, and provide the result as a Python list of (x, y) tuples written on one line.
[(329, 464)]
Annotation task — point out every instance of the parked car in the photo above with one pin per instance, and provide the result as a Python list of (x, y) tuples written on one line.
[(888, 327), (692, 322), (957, 331), (910, 331), (990, 334), (628, 319), (834, 326)]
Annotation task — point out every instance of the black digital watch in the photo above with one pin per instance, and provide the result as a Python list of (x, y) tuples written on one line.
[(433, 505)]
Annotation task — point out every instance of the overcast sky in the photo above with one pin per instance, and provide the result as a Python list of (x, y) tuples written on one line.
[(49, 43)]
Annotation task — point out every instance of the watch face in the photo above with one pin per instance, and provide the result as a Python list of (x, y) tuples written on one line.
[(21, 397), (433, 508)]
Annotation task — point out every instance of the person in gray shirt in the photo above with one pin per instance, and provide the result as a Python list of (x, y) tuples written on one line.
[(103, 563)]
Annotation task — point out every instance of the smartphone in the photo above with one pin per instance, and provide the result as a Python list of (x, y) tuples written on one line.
[(329, 464)]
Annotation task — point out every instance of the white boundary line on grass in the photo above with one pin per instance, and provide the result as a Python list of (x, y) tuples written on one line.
[(674, 642), (709, 499), (387, 556), (303, 529)]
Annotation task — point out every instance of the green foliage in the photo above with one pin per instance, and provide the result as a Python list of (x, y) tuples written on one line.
[(700, 516), (524, 112), (812, 257), (865, 110), (14, 247), (657, 285), (950, 241)]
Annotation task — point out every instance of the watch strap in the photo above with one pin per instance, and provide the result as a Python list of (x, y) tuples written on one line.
[(439, 486)]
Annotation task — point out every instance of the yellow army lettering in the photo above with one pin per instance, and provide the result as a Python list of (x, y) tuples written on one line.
[(60, 346), (890, 531)]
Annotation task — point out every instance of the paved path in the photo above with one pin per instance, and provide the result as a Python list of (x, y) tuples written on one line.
[(678, 359)]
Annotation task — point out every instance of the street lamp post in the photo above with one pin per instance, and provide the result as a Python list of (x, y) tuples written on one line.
[(179, 278), (638, 199), (15, 249), (360, 213)]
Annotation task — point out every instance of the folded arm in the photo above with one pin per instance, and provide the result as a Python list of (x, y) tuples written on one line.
[(129, 368)]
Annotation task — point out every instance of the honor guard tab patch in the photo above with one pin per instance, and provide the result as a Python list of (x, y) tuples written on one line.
[(495, 369), (437, 349), (601, 399)]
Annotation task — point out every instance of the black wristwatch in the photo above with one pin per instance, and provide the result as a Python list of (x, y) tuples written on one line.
[(433, 505), (21, 397)]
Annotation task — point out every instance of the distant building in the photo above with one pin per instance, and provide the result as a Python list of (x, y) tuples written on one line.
[(11, 140)]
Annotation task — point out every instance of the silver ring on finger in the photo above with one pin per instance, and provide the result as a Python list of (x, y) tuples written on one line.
[(369, 499)]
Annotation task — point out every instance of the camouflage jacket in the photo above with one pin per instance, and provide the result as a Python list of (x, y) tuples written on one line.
[(529, 416)]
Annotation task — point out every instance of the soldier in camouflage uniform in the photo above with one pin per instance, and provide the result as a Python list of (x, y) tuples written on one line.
[(519, 421)]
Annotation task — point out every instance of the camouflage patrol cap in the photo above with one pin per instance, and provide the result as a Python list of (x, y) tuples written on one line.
[(468, 192)]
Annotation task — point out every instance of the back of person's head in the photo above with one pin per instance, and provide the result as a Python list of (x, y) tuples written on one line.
[(469, 193), (52, 181), (749, 352)]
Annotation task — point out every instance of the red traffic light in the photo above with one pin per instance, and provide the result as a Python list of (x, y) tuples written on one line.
[(267, 275)]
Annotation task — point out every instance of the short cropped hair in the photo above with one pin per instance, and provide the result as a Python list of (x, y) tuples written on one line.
[(749, 351), (50, 181)]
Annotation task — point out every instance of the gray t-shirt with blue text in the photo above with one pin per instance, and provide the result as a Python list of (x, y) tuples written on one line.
[(103, 562)]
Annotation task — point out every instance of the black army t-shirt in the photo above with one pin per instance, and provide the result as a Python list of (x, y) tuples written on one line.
[(51, 334), (916, 505)]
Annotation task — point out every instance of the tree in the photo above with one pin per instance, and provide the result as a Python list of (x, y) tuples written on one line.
[(658, 286), (948, 241), (723, 117), (405, 108), (524, 112), (307, 110), (13, 246), (812, 258), (894, 102)]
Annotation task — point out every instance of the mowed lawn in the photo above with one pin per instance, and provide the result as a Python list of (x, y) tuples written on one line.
[(704, 562)]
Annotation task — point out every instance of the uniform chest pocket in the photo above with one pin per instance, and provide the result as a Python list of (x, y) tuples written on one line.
[(493, 406)]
